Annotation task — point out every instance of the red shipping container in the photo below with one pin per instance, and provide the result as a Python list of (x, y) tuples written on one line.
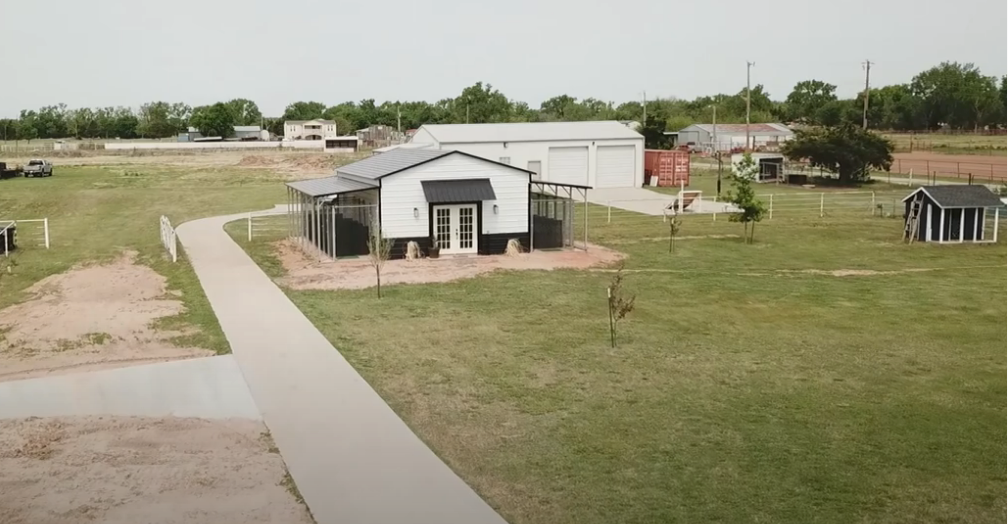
[(671, 167)]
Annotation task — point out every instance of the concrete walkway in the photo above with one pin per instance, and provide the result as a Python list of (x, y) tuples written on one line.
[(211, 387), (353, 459)]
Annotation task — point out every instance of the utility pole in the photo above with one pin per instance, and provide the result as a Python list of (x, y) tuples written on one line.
[(717, 151), (867, 73), (644, 105), (398, 120), (467, 112), (748, 99)]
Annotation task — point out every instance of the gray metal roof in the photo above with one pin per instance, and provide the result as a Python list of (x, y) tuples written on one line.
[(530, 132), (332, 185), (377, 166), (960, 195), (247, 129), (457, 191), (769, 129)]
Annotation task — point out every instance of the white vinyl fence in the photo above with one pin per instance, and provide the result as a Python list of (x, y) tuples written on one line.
[(25, 230), (168, 238)]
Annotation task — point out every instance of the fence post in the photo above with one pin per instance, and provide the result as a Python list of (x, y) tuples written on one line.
[(872, 203), (608, 212), (45, 230), (250, 226), (822, 201), (714, 214), (771, 206)]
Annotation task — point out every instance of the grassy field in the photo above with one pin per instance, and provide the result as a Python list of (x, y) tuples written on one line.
[(827, 373), (95, 213)]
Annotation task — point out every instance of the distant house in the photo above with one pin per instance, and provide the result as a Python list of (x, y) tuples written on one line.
[(242, 133), (732, 136), (317, 129), (248, 133)]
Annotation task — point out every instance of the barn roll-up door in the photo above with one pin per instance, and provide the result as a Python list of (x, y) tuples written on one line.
[(615, 166), (568, 165)]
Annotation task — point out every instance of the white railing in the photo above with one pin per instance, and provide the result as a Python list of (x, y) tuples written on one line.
[(168, 239), (269, 226), (6, 226)]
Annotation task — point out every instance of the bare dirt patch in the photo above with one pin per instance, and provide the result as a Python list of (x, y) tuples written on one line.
[(923, 163), (124, 470), (91, 317), (292, 164), (304, 272)]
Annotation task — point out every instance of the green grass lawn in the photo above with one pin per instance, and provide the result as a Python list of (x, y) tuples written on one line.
[(744, 388), (96, 213)]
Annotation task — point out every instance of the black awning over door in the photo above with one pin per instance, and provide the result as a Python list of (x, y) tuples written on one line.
[(458, 191)]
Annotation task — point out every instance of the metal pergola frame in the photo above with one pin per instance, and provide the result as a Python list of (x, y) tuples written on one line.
[(557, 188), (302, 227)]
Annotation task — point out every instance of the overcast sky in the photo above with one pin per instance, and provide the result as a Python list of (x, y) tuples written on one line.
[(122, 52)]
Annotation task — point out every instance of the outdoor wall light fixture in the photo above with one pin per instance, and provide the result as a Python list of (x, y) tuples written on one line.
[(416, 213), (496, 209)]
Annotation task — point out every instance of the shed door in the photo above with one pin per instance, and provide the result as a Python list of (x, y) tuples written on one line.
[(615, 166), (568, 165)]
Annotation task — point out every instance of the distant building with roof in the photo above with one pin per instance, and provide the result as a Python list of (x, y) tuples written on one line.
[(318, 129), (733, 136)]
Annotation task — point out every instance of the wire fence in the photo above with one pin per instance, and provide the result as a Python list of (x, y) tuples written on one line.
[(970, 171)]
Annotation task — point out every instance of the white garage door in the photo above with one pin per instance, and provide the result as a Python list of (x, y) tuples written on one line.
[(615, 166), (568, 165)]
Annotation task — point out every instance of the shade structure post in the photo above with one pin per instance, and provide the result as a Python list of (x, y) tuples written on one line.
[(822, 203), (585, 191), (770, 217), (962, 223), (249, 221), (332, 230), (941, 226), (997, 219), (318, 227), (978, 216), (532, 206)]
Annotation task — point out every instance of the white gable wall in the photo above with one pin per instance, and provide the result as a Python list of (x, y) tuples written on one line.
[(423, 137), (521, 153), (402, 192)]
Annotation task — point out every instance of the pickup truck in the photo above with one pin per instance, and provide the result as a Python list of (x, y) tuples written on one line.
[(37, 167)]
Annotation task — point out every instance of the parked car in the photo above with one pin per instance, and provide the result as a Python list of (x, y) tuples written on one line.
[(38, 167)]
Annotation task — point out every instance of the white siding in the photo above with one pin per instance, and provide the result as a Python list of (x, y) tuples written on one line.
[(521, 153), (402, 192), (422, 137), (615, 166)]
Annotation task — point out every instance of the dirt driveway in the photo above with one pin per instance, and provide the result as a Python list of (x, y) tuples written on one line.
[(91, 317), (130, 470)]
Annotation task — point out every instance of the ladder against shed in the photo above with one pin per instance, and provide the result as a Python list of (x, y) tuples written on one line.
[(952, 214)]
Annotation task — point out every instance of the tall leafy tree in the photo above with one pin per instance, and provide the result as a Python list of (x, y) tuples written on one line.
[(304, 111), (806, 100), (847, 150), (480, 103), (214, 120), (162, 119), (245, 111), (28, 125)]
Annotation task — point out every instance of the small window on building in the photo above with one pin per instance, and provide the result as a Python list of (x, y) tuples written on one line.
[(505, 160)]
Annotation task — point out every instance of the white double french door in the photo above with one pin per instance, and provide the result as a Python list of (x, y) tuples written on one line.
[(455, 228)]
